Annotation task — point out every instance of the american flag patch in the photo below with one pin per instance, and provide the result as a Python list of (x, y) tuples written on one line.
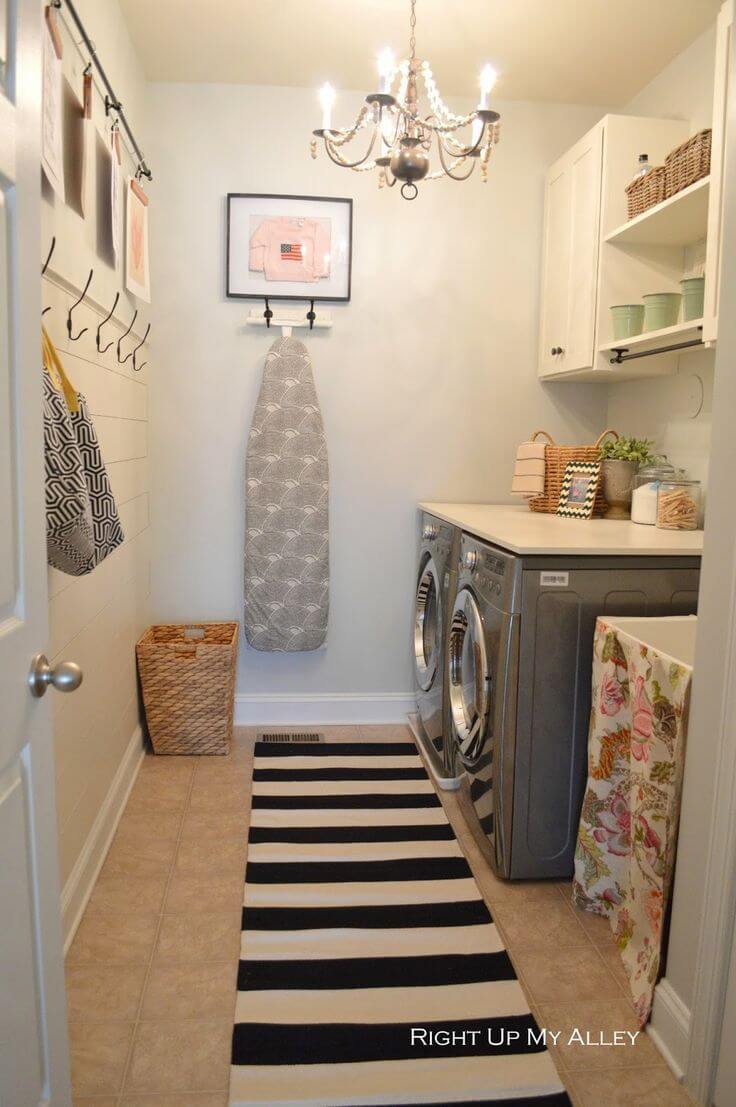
[(291, 251)]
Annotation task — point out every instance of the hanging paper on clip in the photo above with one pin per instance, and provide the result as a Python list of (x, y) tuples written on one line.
[(87, 144), (52, 150), (116, 214), (137, 277)]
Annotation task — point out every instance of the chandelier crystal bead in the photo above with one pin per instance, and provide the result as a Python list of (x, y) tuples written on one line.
[(401, 139)]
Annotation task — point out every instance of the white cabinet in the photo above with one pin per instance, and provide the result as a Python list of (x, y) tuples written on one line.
[(595, 257), (571, 238), (724, 39)]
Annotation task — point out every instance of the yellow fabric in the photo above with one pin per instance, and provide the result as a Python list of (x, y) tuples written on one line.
[(56, 371)]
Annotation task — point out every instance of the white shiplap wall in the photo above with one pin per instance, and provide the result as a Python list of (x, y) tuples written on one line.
[(96, 620)]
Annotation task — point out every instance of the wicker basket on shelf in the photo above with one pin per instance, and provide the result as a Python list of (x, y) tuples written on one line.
[(187, 675), (556, 459), (645, 191), (687, 163)]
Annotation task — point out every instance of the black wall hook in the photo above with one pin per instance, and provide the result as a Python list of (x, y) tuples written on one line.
[(127, 357), (50, 254), (311, 316), (137, 368), (76, 337), (45, 266), (268, 314), (104, 349)]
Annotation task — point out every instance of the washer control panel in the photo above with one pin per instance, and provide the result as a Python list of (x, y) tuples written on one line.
[(493, 572)]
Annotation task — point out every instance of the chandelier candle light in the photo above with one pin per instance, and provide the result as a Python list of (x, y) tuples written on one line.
[(400, 138)]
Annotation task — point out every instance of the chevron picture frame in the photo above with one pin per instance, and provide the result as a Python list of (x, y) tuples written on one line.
[(579, 487)]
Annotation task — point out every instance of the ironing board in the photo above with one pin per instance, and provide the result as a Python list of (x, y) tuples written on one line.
[(287, 577)]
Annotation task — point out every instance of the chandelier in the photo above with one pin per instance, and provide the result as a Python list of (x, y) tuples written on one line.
[(399, 139)]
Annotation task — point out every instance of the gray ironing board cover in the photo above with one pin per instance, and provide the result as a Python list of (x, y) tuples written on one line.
[(287, 575)]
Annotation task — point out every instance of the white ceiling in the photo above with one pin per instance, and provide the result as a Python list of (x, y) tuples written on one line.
[(573, 51)]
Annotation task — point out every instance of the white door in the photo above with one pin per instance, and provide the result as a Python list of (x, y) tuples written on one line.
[(34, 1066), (726, 1072)]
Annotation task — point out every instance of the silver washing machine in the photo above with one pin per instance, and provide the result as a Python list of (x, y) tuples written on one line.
[(519, 661), (439, 546)]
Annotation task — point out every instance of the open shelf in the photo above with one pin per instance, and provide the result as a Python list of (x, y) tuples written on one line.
[(678, 221), (691, 331)]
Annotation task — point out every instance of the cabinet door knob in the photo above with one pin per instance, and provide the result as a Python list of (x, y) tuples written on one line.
[(555, 350)]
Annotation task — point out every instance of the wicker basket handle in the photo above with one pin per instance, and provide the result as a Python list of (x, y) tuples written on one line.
[(183, 649), (601, 437), (549, 437)]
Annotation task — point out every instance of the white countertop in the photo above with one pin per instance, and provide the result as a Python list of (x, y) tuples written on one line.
[(522, 531)]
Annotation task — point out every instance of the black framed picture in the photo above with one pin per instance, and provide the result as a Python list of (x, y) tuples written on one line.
[(579, 486), (289, 247)]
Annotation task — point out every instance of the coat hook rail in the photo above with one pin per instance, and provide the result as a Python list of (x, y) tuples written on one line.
[(137, 368), (103, 349), (122, 360), (286, 321), (76, 337), (115, 104)]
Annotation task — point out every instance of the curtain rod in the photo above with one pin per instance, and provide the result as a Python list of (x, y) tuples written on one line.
[(111, 104)]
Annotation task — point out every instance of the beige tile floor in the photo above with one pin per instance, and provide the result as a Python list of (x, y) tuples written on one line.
[(151, 972)]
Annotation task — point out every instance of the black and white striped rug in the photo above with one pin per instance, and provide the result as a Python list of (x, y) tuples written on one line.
[(371, 971)]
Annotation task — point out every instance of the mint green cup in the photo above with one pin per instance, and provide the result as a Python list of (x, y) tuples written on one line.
[(661, 309), (693, 295), (628, 320)]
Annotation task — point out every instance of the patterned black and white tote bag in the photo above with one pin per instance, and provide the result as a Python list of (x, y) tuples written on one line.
[(82, 522)]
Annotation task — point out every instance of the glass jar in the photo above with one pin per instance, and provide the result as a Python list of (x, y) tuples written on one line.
[(646, 487), (678, 505)]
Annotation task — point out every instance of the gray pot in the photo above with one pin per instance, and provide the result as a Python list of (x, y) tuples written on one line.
[(618, 483)]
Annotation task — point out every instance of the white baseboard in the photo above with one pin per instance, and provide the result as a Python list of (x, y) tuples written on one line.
[(81, 881), (266, 709), (669, 1027)]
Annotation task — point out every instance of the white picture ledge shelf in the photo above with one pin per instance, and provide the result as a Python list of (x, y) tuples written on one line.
[(679, 221), (288, 320)]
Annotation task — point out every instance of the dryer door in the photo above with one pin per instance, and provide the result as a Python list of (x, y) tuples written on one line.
[(427, 625), (470, 677)]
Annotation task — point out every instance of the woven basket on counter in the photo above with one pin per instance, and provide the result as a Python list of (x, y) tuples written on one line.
[(687, 163), (645, 191), (556, 458), (187, 675)]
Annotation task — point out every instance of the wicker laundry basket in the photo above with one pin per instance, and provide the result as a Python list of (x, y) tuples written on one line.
[(556, 458), (645, 191), (687, 163), (187, 675)]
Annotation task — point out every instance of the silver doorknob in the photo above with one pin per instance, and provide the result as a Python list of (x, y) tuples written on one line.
[(65, 677)]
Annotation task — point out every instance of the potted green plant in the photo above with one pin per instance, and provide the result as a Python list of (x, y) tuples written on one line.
[(620, 458)]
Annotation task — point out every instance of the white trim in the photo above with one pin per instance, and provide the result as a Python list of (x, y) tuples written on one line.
[(81, 880), (669, 1028), (280, 709), (713, 714)]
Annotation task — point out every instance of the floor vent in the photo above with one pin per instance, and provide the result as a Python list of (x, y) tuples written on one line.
[(290, 736)]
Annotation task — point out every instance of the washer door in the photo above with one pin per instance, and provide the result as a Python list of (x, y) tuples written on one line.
[(470, 677), (427, 625)]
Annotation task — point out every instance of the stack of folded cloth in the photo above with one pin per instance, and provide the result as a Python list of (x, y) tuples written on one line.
[(528, 480)]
